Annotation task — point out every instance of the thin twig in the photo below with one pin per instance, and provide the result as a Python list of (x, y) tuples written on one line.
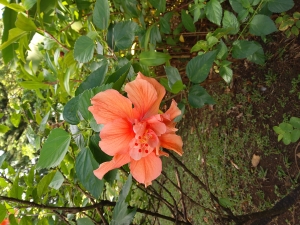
[(181, 194)]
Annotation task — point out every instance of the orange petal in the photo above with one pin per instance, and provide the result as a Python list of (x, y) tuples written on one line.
[(142, 94), (146, 169), (160, 90), (172, 142), (116, 136), (110, 105), (173, 111), (117, 161)]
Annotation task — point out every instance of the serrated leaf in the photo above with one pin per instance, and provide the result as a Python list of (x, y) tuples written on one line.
[(230, 21), (84, 49), (198, 97), (152, 58), (278, 6), (214, 11), (101, 14), (85, 165), (95, 79), (25, 23), (187, 21), (198, 68), (42, 186), (295, 121), (54, 149), (262, 25)]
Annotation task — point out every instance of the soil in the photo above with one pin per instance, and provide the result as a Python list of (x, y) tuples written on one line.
[(283, 60)]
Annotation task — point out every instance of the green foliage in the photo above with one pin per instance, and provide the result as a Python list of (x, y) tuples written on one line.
[(288, 131)]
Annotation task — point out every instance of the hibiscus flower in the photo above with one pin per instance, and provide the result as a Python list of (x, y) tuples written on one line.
[(134, 129)]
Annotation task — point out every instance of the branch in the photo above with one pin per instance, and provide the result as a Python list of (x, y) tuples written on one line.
[(26, 204)]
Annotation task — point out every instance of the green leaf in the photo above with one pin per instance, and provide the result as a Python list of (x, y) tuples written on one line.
[(121, 214), (70, 112), (25, 23), (278, 130), (160, 5), (222, 50), (200, 45), (198, 68), (16, 190), (4, 129), (13, 6), (84, 49), (12, 219), (119, 83), (14, 35), (286, 127), (242, 49), (54, 149), (28, 4), (187, 21), (287, 138), (26, 220), (181, 106), (174, 79), (278, 6), (95, 79), (3, 212), (262, 25), (130, 8), (257, 57), (2, 158), (85, 165), (84, 221), (124, 34), (230, 21), (164, 25), (15, 119), (118, 74), (236, 5), (44, 122), (295, 135), (101, 14), (34, 85), (295, 122), (225, 202), (226, 73), (9, 18), (214, 11), (42, 186), (198, 97), (57, 180), (152, 58)]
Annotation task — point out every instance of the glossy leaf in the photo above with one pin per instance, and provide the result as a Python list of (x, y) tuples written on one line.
[(152, 58), (85, 165), (198, 68), (262, 25), (95, 79), (13, 6), (226, 73), (214, 11), (101, 14), (54, 149), (198, 97), (84, 49), (14, 35)]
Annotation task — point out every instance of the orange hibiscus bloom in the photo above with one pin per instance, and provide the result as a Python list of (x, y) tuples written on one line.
[(134, 130)]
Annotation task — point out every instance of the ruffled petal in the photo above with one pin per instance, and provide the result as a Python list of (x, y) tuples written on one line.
[(117, 161), (143, 95), (155, 123), (172, 142), (116, 136), (160, 90), (110, 105), (173, 111), (146, 169)]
